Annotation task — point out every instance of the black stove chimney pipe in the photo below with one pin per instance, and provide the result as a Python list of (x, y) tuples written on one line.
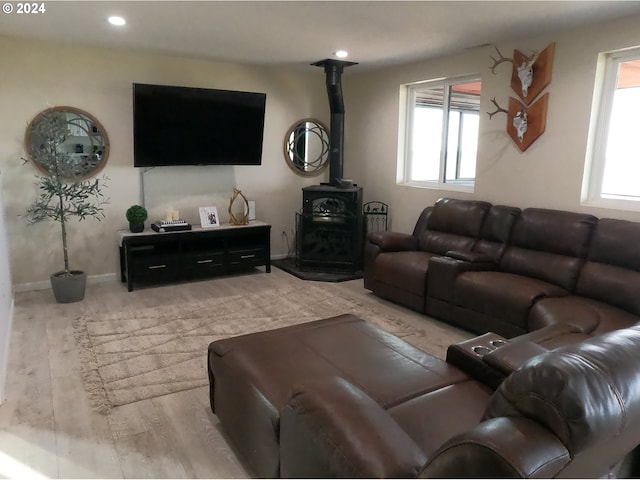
[(333, 70)]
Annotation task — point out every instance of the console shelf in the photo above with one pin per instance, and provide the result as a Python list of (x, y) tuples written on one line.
[(152, 257)]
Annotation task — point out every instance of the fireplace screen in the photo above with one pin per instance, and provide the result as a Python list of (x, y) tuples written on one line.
[(330, 229)]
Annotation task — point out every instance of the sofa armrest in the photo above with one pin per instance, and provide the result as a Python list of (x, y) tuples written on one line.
[(443, 272), (393, 241), (331, 428), (472, 257), (503, 447), (510, 356)]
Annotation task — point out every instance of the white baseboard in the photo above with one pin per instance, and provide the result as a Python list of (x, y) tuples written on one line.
[(4, 362), (91, 279), (45, 284)]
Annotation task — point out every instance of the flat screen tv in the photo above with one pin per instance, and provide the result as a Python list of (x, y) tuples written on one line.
[(196, 126)]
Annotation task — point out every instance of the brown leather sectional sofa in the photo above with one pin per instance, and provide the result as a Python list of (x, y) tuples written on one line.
[(559, 397), (496, 268), (340, 398)]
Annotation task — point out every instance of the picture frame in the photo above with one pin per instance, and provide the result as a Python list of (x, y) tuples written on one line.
[(251, 211), (209, 217)]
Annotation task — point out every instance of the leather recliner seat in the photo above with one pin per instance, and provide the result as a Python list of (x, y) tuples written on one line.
[(396, 264), (569, 413), (250, 379)]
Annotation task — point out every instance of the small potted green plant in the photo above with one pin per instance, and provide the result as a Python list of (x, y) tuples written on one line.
[(136, 215)]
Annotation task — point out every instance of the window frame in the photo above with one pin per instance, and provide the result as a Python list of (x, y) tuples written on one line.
[(407, 111), (606, 82)]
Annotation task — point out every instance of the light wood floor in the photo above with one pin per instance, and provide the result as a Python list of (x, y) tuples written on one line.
[(47, 427)]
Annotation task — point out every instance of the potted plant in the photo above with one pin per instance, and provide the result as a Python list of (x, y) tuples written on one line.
[(136, 215), (62, 198)]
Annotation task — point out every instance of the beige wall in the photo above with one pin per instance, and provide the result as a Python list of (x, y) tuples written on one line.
[(37, 75), (6, 304), (548, 175)]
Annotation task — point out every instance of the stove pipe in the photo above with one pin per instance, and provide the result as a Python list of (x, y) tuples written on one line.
[(333, 70)]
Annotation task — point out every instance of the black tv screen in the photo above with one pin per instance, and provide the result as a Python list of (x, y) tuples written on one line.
[(196, 126)]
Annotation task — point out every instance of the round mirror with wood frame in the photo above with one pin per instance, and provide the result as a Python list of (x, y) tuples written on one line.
[(306, 147), (67, 141)]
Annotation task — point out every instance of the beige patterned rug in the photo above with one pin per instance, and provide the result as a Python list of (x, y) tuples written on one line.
[(127, 357)]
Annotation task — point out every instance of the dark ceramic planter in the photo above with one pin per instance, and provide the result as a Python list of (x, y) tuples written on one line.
[(68, 288), (136, 227)]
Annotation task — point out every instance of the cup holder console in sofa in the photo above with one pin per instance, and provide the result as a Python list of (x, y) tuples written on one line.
[(469, 355)]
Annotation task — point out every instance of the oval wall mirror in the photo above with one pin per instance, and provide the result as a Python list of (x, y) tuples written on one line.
[(67, 140), (306, 147)]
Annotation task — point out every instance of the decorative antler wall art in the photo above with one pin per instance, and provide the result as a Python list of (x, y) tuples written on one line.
[(530, 75), (526, 124)]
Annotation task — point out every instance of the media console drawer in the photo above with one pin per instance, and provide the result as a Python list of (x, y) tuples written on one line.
[(154, 257), (155, 267), (203, 264), (249, 256)]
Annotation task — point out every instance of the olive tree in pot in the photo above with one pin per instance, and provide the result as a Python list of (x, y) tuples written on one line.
[(136, 215), (62, 198)]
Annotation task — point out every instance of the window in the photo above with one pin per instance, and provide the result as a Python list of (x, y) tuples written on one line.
[(441, 132), (615, 161)]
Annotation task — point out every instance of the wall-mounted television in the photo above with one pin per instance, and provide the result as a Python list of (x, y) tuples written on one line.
[(196, 126)]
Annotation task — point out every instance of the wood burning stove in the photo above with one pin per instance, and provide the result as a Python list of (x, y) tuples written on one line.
[(329, 230)]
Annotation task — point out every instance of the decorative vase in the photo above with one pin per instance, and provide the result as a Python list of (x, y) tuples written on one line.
[(68, 288), (136, 227)]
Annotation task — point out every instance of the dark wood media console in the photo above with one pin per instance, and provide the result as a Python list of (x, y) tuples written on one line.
[(151, 257)]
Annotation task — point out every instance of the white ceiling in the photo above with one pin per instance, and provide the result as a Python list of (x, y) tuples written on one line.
[(296, 33)]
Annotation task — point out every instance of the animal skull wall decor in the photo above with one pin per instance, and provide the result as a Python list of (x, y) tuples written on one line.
[(523, 69), (520, 124), (524, 124), (530, 75)]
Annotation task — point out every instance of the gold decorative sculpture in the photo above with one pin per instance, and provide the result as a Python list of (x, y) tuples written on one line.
[(242, 220)]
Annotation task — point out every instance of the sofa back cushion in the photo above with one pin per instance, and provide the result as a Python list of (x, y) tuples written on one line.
[(612, 271), (587, 394), (549, 245), (453, 225), (423, 220), (496, 230)]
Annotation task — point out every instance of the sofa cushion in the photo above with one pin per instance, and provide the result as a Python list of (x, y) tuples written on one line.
[(251, 376), (440, 243), (615, 242), (407, 270), (462, 217), (504, 296), (549, 245), (387, 368), (587, 315), (556, 231), (614, 285), (496, 231), (453, 225), (428, 419), (612, 272)]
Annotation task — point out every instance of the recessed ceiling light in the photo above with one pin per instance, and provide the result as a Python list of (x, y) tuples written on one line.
[(119, 21), (341, 54)]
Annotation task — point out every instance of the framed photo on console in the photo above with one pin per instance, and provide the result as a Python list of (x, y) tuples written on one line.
[(209, 217)]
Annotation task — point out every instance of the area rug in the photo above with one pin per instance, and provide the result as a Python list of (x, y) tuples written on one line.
[(131, 356)]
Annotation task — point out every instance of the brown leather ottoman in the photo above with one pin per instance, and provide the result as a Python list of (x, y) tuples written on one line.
[(251, 376)]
